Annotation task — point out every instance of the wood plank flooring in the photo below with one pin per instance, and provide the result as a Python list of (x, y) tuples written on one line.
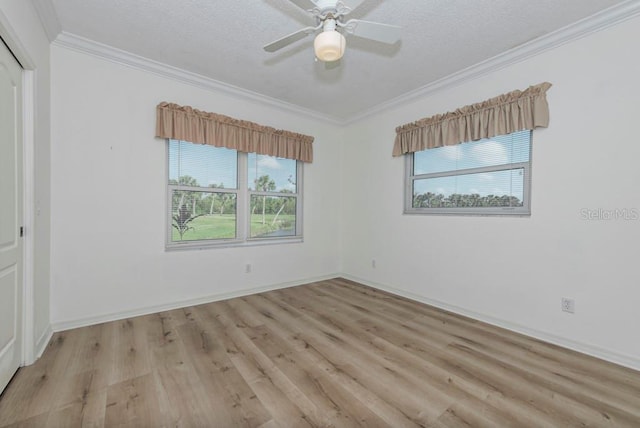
[(329, 354)]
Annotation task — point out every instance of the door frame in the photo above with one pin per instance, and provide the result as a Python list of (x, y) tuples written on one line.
[(12, 40)]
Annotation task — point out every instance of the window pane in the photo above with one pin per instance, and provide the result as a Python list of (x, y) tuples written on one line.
[(201, 165), (488, 189), (202, 215), (499, 150), (273, 216), (271, 174)]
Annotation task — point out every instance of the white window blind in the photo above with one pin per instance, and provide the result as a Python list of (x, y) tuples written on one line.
[(489, 176)]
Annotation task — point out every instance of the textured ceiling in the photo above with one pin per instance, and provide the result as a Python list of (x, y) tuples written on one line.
[(223, 39)]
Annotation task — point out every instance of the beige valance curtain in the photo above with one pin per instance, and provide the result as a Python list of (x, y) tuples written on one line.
[(188, 124), (514, 111)]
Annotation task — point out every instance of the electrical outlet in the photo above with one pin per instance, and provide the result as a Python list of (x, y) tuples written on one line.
[(247, 268), (568, 305), (373, 263)]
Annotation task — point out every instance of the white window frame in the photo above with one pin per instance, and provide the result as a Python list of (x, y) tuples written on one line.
[(524, 210), (243, 219)]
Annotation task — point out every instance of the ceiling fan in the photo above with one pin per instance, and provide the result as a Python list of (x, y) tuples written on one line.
[(330, 43)]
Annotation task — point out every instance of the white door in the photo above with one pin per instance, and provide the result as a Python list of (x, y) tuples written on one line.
[(10, 215)]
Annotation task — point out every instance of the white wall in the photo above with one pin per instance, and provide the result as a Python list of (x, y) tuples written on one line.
[(514, 271), (108, 184), (20, 27), (109, 193)]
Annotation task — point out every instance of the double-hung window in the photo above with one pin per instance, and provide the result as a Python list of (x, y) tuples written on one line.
[(486, 177), (223, 197)]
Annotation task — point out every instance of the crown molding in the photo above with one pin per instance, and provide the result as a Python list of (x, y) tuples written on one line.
[(592, 24), (118, 56), (48, 17)]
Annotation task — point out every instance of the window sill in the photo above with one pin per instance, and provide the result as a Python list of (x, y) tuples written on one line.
[(232, 243), (463, 213)]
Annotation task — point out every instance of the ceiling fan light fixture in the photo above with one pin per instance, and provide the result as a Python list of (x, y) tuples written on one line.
[(329, 46)]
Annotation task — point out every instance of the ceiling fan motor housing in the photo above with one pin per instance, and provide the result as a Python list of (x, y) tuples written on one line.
[(328, 5), (330, 9)]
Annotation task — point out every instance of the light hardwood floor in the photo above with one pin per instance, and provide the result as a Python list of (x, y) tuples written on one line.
[(332, 353)]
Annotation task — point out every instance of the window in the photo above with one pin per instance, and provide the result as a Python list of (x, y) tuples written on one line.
[(219, 196), (489, 176)]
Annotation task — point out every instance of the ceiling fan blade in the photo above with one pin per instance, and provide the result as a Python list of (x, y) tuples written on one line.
[(304, 4), (384, 33), (287, 40), (353, 5)]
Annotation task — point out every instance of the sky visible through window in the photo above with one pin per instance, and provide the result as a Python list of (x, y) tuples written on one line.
[(500, 150), (281, 171), (217, 166)]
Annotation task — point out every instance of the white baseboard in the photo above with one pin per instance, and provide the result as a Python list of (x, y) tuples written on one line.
[(42, 342), (614, 357), (584, 348), (114, 316)]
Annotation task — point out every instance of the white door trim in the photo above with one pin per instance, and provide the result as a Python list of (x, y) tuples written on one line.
[(28, 198), (12, 40)]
